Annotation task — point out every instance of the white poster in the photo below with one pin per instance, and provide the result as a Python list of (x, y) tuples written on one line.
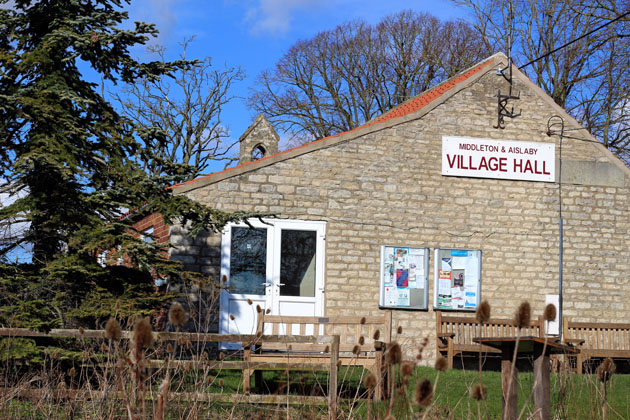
[(391, 296), (404, 277), (501, 159)]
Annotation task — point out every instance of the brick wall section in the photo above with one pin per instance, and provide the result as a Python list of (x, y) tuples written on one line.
[(386, 187), (161, 231)]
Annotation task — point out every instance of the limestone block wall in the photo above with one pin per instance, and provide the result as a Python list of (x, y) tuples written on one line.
[(386, 187)]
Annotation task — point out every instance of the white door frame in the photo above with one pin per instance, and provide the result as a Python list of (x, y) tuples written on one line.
[(272, 300)]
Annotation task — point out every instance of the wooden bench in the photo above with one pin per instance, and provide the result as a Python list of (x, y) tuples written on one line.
[(248, 341), (454, 333), (597, 339), (369, 354)]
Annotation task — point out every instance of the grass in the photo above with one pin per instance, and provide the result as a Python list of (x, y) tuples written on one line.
[(179, 391), (452, 395)]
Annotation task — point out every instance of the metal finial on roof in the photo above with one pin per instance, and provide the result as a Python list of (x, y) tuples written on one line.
[(502, 100)]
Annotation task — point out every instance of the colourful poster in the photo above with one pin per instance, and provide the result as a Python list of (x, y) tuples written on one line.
[(402, 278), (444, 302)]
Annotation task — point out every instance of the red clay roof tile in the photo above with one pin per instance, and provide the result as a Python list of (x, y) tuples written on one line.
[(406, 108)]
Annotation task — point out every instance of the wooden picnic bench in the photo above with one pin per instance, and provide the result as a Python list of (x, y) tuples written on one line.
[(329, 344), (454, 333), (357, 344), (597, 340)]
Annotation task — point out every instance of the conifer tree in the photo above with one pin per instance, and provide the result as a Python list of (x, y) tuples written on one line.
[(70, 161)]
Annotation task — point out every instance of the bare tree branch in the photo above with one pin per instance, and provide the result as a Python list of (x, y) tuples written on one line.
[(185, 111), (589, 78), (342, 78)]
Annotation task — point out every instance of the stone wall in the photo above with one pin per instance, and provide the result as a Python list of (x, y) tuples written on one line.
[(386, 187)]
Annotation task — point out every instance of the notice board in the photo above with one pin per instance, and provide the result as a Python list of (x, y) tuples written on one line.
[(457, 279), (404, 277)]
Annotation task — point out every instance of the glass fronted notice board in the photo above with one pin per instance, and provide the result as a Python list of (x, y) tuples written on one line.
[(404, 277), (457, 279)]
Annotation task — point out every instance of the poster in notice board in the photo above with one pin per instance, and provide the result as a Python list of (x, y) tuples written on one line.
[(457, 279), (404, 277)]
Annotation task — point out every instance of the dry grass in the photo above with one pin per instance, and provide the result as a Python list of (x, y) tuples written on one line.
[(142, 378)]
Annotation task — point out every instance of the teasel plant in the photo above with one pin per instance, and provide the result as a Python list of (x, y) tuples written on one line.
[(605, 372), (478, 393), (549, 314), (441, 365), (522, 318)]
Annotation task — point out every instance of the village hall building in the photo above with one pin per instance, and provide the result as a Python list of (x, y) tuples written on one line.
[(439, 204)]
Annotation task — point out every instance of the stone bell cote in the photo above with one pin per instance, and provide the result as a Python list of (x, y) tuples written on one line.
[(258, 141)]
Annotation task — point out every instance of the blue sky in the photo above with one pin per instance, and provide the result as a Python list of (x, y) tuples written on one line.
[(254, 34)]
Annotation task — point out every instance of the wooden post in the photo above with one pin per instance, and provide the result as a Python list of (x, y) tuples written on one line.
[(379, 355), (509, 401), (438, 330), (332, 382), (247, 373), (541, 384)]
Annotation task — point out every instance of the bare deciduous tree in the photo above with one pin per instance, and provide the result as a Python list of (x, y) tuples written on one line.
[(589, 78), (186, 111), (344, 77)]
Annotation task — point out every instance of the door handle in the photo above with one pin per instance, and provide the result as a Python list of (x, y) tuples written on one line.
[(280, 284), (266, 284)]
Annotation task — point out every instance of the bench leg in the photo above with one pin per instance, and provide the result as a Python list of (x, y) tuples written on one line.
[(258, 380), (450, 353)]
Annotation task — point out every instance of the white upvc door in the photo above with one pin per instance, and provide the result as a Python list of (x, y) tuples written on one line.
[(277, 265)]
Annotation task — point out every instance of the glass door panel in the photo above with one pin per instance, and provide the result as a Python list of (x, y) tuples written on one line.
[(248, 261), (297, 263)]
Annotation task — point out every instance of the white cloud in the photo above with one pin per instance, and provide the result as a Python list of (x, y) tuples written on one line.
[(161, 12), (274, 16)]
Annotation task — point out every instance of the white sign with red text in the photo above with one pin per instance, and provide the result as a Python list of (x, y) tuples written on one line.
[(502, 159)]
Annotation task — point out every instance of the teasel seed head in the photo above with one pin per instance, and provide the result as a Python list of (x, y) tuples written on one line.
[(377, 335), (407, 368), (370, 381), (483, 312), (606, 370), (550, 312), (113, 330), (523, 315), (479, 392), (142, 335), (441, 364), (177, 315), (393, 355), (424, 393)]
